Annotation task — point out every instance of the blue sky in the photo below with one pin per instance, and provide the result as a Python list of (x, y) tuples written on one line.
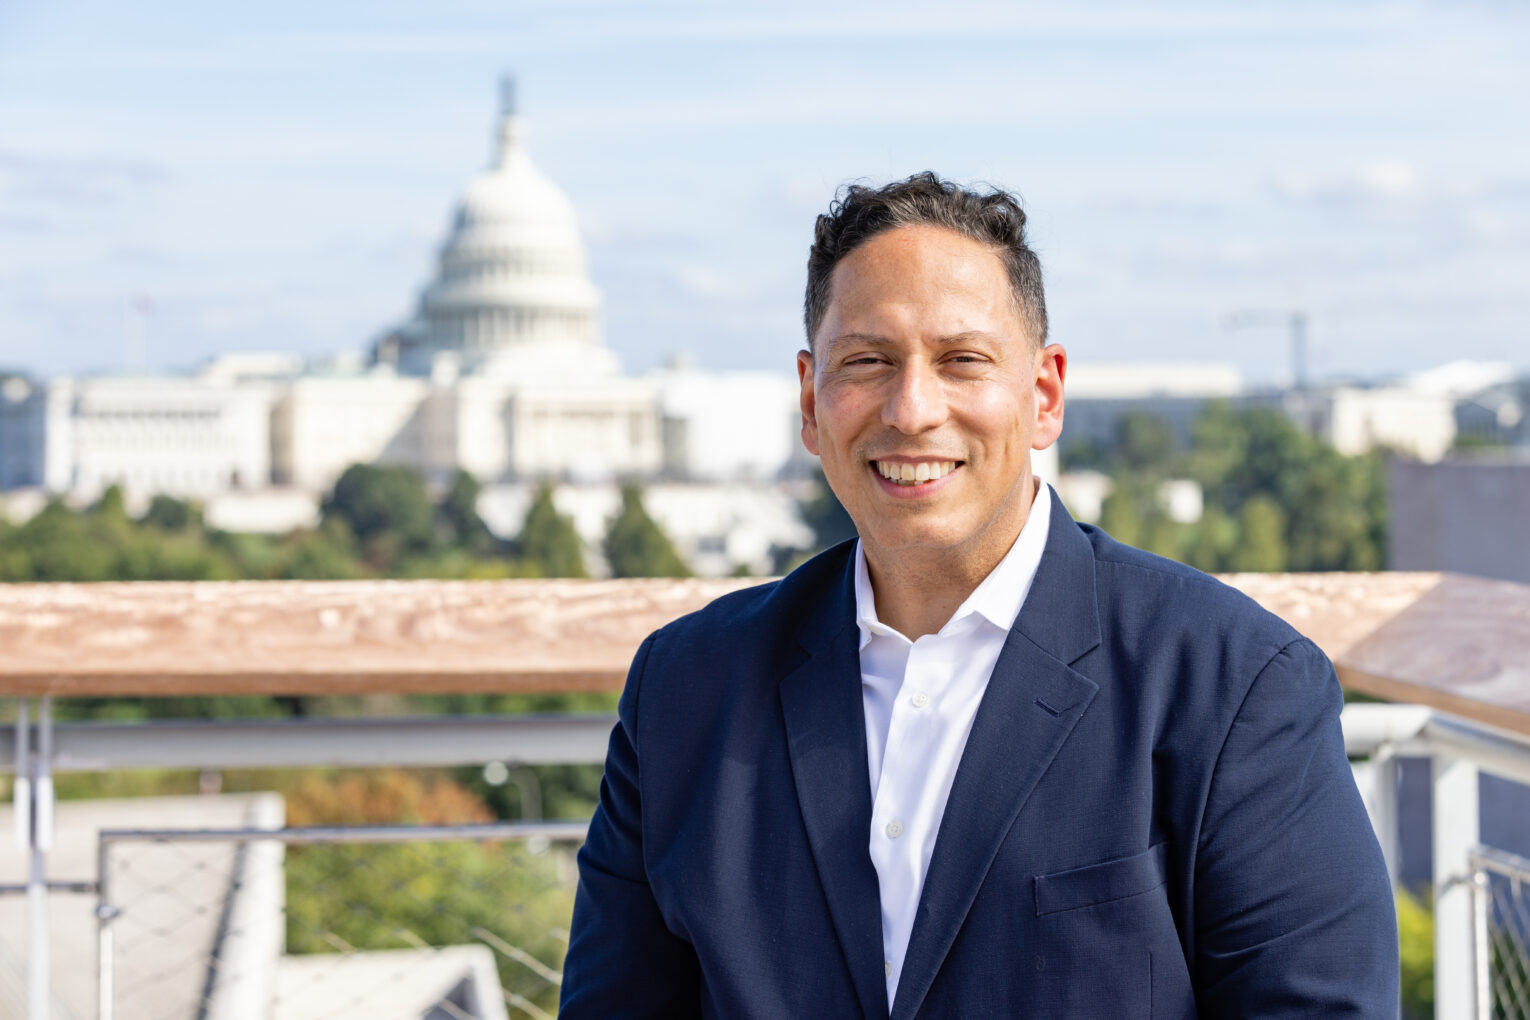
[(277, 176)]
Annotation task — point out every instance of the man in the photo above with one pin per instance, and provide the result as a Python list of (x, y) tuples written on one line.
[(985, 761)]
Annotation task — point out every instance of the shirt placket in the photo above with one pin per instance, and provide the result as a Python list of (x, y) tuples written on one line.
[(900, 815)]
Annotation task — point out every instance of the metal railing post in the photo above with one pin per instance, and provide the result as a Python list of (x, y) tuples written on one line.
[(1482, 979), (1386, 777), (106, 913), (39, 767), (21, 790), (1456, 834)]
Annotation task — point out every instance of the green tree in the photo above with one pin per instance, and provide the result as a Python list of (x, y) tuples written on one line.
[(1128, 513), (1144, 443), (59, 545), (112, 506), (325, 554), (1212, 540), (170, 514), (458, 517), (549, 546), (1086, 454), (387, 509), (1415, 937), (389, 896), (1337, 513), (1333, 506), (1261, 545), (636, 546)]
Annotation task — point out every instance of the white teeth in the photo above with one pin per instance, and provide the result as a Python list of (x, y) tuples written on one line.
[(915, 474)]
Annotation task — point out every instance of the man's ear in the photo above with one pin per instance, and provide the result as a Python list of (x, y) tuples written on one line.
[(809, 401), (1051, 368)]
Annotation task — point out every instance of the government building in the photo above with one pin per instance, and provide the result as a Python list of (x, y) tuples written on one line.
[(502, 371)]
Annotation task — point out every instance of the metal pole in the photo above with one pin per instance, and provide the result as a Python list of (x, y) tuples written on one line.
[(1299, 350), (530, 788), (42, 787), (21, 799), (106, 913), (1481, 976), (1456, 834), (40, 836), (310, 835), (1385, 779)]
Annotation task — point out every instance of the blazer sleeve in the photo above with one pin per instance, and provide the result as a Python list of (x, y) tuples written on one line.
[(1293, 907), (623, 961)]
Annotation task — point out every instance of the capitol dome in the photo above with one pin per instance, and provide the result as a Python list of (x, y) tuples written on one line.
[(511, 282)]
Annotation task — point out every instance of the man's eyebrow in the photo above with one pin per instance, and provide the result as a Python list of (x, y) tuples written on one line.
[(878, 340), (872, 339)]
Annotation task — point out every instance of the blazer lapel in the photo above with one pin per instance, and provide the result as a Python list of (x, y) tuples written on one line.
[(1030, 708), (826, 740)]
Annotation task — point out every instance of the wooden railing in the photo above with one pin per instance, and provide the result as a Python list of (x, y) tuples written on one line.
[(1457, 645), (1453, 643)]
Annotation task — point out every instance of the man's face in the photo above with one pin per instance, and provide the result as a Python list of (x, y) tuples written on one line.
[(925, 396)]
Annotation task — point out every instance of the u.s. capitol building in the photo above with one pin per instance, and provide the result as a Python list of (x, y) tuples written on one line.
[(502, 371)]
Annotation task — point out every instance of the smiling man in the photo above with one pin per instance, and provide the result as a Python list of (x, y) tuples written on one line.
[(983, 761)]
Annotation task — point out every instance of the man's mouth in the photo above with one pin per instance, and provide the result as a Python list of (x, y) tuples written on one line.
[(915, 474)]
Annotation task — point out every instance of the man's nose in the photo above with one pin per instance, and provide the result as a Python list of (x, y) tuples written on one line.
[(916, 402)]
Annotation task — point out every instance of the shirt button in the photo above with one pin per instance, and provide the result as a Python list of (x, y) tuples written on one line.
[(894, 829), (887, 967), (920, 699)]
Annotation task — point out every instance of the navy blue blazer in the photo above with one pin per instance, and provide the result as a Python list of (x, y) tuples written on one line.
[(1153, 817)]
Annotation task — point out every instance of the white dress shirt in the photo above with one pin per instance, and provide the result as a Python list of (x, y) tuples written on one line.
[(920, 698)]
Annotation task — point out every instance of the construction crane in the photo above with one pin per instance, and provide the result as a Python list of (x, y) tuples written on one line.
[(1295, 320)]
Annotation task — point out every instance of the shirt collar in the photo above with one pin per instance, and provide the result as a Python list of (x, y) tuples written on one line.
[(997, 598)]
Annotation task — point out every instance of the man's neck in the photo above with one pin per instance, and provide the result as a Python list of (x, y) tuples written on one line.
[(918, 591)]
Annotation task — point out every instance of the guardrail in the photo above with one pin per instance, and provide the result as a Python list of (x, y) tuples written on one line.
[(1459, 751), (337, 944), (1501, 924), (1456, 646)]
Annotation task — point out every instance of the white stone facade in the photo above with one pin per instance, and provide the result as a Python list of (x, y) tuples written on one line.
[(1414, 422), (187, 437)]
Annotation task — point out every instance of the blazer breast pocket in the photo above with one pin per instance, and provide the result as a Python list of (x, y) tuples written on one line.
[(1101, 883)]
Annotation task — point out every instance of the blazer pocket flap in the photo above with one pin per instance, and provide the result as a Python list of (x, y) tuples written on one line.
[(1101, 883)]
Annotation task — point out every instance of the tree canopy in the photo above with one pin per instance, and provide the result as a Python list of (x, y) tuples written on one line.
[(548, 544), (1275, 498), (636, 546)]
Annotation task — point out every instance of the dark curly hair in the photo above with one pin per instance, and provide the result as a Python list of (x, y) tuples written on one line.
[(991, 217)]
